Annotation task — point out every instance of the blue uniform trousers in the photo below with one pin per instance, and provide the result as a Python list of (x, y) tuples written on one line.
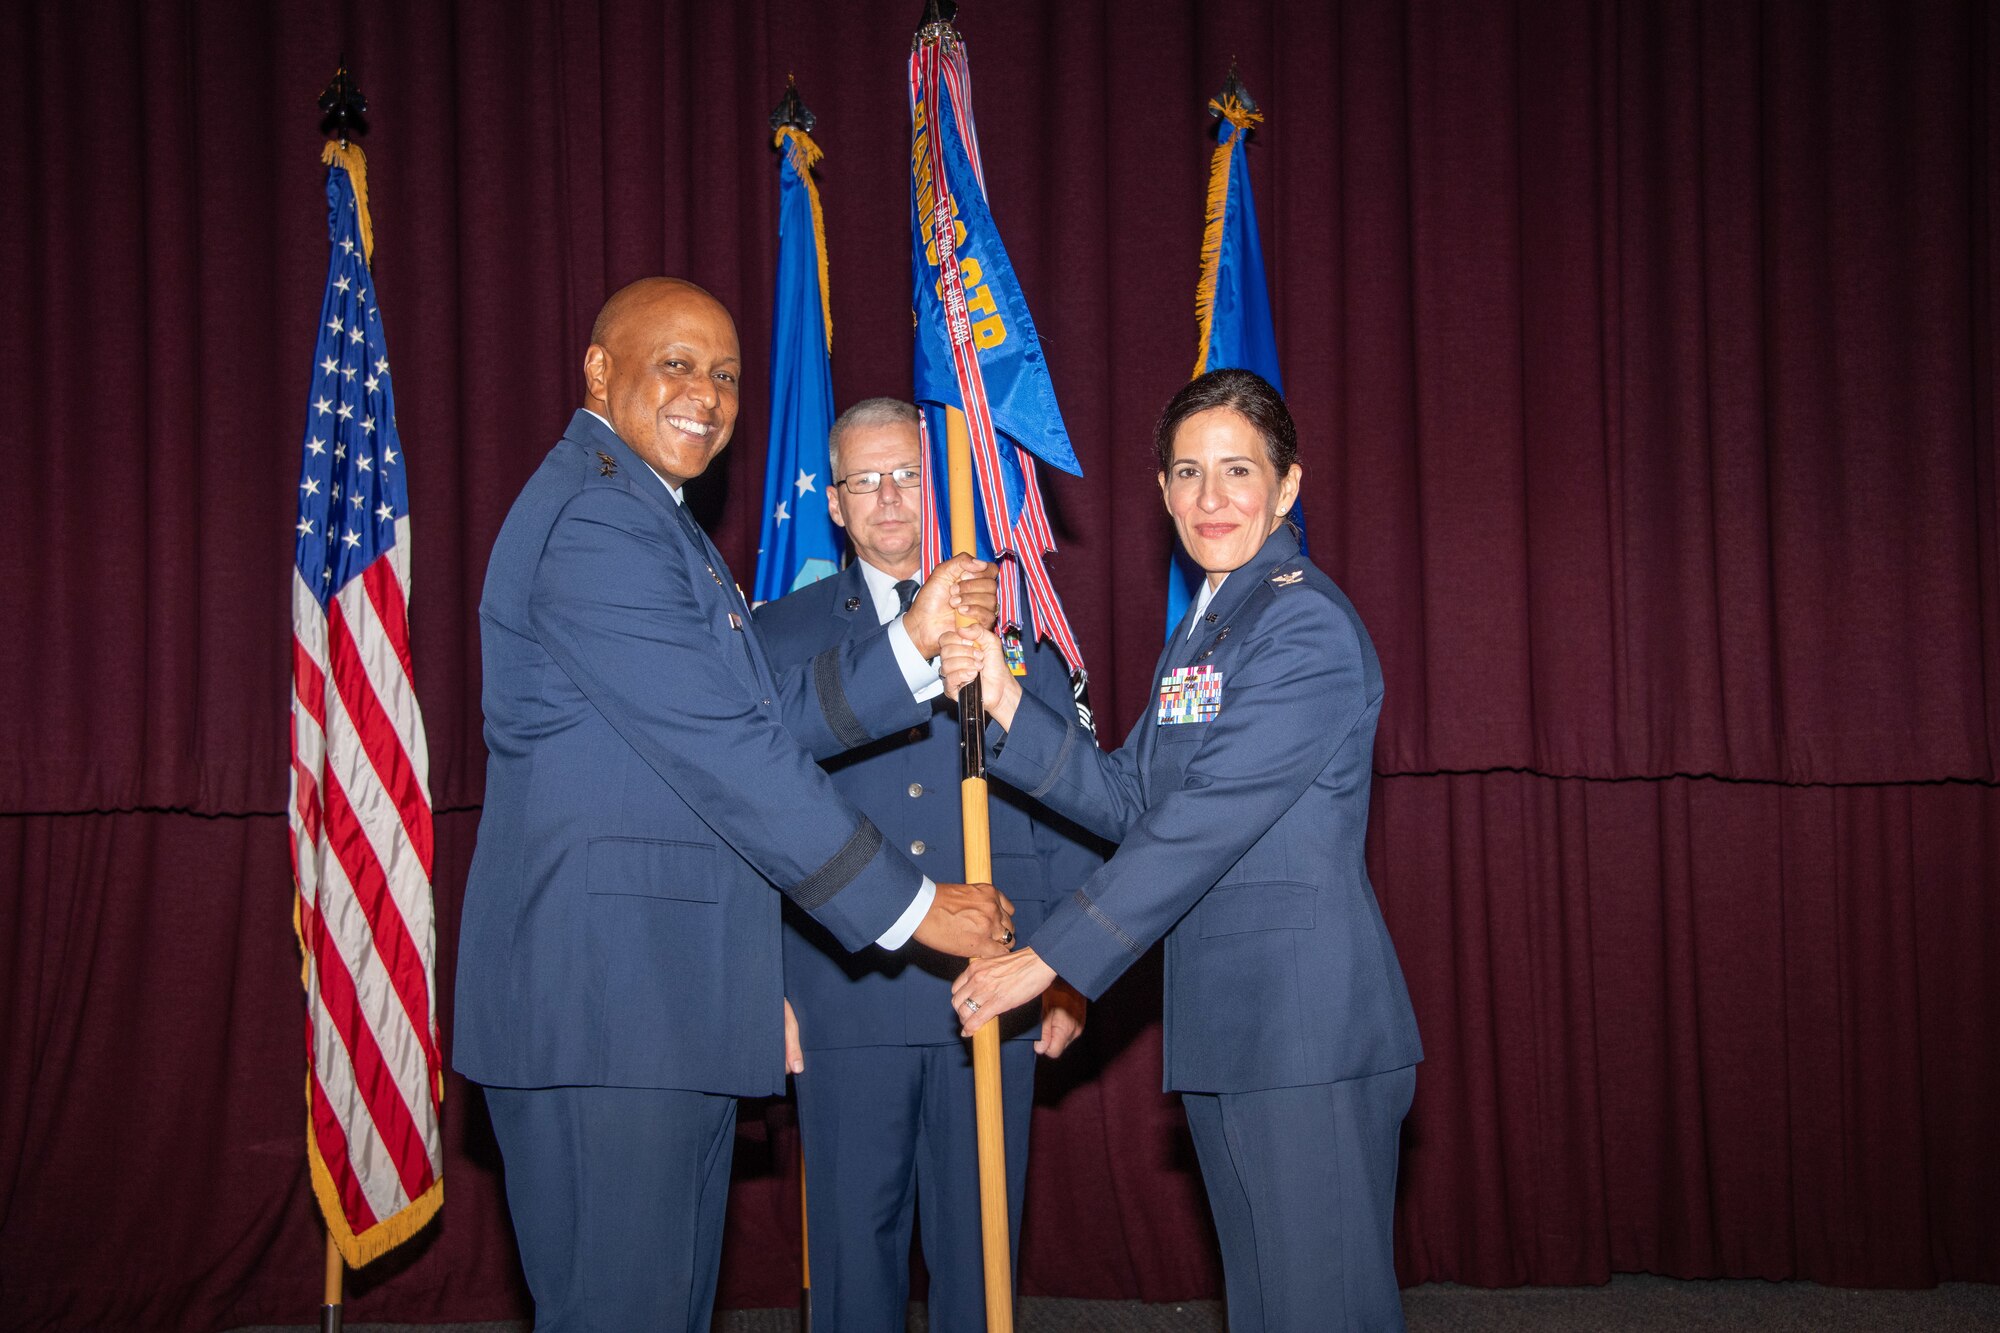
[(1302, 1183), (885, 1127), (616, 1230)]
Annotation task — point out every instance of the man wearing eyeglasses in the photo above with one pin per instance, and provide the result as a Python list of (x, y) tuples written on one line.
[(884, 1080)]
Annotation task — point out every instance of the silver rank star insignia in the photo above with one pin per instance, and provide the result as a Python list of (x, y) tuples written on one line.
[(1287, 579)]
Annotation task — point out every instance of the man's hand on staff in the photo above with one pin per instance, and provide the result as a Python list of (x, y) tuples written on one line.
[(990, 987), (961, 586), (968, 921)]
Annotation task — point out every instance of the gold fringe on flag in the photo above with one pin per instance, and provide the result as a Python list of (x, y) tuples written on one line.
[(351, 160), (805, 155), (384, 1236), (1243, 118)]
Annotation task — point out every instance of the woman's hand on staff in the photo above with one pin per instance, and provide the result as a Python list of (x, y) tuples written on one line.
[(976, 653), (989, 987)]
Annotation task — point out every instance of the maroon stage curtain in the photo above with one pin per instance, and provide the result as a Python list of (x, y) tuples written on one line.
[(1644, 355)]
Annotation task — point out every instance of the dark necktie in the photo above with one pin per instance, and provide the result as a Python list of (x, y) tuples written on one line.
[(705, 551), (906, 594)]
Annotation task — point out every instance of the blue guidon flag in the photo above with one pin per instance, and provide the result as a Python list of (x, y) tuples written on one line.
[(799, 543), (1232, 304), (361, 806), (976, 346)]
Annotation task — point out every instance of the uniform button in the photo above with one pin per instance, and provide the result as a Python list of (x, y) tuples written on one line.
[(917, 847), (916, 789), (767, 703)]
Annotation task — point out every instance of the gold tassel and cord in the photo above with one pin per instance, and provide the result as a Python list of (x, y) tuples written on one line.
[(351, 160), (805, 155), (1233, 111)]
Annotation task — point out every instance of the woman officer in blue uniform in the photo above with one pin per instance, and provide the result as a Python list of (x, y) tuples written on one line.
[(1240, 803)]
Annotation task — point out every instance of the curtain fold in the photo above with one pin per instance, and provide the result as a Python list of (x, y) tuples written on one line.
[(1644, 358), (1643, 353), (1683, 1026)]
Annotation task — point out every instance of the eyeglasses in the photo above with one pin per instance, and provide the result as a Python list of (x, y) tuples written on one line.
[(867, 483)]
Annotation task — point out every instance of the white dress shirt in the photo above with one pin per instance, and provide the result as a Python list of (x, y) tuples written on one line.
[(1208, 591)]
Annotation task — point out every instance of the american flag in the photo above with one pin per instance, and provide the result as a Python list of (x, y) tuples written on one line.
[(361, 810)]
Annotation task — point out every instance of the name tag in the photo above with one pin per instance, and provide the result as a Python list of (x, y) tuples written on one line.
[(1190, 694)]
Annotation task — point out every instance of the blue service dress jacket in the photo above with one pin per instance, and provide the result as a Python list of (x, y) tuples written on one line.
[(650, 779), (1240, 805), (908, 783)]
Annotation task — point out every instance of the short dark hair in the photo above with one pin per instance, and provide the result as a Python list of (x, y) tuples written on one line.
[(1243, 392)]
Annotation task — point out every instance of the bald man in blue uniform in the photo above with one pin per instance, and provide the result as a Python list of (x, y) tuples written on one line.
[(650, 782), (885, 1096)]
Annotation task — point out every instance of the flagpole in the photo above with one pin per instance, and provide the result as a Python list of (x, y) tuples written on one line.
[(784, 559), (343, 109), (336, 1275), (966, 303), (805, 1248), (994, 1241)]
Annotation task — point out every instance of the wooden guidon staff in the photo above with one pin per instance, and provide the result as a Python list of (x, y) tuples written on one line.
[(979, 870), (336, 1274)]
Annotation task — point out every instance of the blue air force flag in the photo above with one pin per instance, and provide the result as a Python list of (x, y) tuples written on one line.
[(1232, 304), (799, 543)]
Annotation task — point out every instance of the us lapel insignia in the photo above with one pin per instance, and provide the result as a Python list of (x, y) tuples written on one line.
[(607, 466), (1287, 579)]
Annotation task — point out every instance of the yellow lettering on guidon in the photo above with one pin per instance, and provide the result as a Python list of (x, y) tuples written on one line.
[(991, 331)]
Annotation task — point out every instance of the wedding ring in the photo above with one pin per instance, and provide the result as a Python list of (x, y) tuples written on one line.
[(1008, 938), (972, 1006)]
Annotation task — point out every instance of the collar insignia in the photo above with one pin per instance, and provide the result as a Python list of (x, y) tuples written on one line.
[(1287, 579), (607, 466)]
